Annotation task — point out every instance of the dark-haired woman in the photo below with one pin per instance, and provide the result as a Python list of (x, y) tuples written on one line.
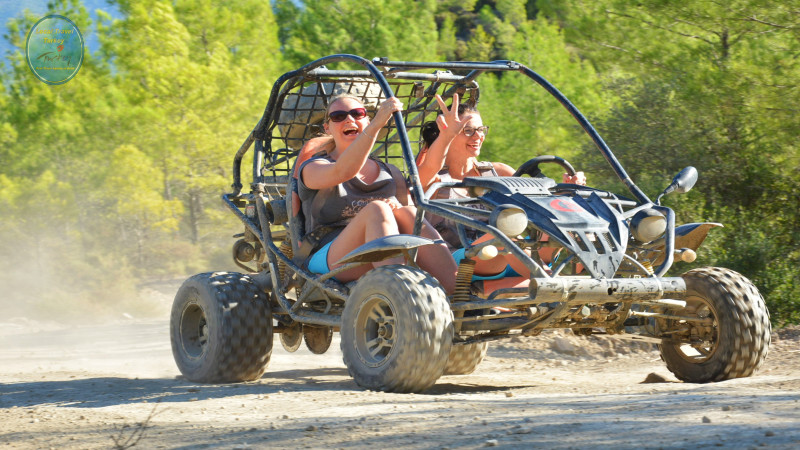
[(450, 153)]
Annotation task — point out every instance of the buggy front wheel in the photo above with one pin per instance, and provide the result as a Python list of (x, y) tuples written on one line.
[(397, 330), (729, 335)]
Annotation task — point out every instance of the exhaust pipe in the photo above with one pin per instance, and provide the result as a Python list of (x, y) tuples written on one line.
[(590, 290)]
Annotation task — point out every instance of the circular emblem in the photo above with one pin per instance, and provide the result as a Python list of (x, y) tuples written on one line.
[(54, 49), (564, 204)]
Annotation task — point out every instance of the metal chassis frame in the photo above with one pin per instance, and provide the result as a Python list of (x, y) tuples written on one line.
[(380, 69)]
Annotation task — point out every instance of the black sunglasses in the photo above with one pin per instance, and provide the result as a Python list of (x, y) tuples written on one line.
[(338, 116)]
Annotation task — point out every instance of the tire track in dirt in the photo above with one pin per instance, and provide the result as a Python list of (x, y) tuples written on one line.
[(78, 387)]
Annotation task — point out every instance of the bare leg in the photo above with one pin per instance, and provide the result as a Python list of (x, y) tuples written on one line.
[(517, 265), (498, 264), (434, 259), (374, 221)]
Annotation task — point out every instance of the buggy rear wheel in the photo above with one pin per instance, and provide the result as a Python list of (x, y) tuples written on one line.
[(464, 359), (732, 337), (397, 330), (221, 328)]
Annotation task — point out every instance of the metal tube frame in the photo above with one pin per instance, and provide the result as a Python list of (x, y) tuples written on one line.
[(380, 69)]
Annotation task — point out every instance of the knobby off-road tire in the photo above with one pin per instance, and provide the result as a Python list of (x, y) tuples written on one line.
[(397, 330), (464, 359), (221, 328), (739, 334)]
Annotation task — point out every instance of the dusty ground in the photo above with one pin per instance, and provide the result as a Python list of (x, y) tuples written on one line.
[(96, 386)]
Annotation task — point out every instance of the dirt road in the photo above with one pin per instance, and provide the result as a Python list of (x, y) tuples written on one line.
[(96, 386)]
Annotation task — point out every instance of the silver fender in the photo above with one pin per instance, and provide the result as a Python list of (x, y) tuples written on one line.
[(385, 247)]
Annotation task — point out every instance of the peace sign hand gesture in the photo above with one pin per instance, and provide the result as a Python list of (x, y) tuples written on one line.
[(449, 119)]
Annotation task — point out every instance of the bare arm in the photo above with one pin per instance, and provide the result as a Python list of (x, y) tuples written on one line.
[(578, 178), (449, 127), (321, 174), (503, 170)]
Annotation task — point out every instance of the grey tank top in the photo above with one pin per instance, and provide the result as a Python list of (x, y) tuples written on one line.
[(337, 205)]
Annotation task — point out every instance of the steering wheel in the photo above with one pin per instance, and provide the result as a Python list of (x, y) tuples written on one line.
[(531, 167)]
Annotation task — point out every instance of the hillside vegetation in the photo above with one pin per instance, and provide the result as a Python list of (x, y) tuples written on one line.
[(112, 180)]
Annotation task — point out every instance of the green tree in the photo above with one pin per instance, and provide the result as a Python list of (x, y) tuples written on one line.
[(171, 90), (525, 120), (398, 29), (138, 208), (191, 93), (708, 84)]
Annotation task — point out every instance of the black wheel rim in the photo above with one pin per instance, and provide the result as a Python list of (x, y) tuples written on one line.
[(703, 336), (194, 330)]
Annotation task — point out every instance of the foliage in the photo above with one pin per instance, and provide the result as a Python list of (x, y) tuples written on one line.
[(113, 177), (396, 28), (525, 120), (713, 85)]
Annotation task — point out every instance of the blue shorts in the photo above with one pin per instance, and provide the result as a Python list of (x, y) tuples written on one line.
[(319, 260), (458, 255), (319, 264)]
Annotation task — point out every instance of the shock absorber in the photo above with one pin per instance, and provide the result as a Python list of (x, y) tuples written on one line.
[(463, 280), (648, 266), (286, 248)]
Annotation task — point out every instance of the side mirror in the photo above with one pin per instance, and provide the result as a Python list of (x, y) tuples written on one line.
[(683, 182)]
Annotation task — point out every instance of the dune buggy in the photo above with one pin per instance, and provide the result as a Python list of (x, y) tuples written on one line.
[(399, 331)]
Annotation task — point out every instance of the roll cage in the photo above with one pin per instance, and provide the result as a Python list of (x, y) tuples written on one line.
[(295, 110)]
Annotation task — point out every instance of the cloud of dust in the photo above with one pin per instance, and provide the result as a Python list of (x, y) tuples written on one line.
[(44, 286)]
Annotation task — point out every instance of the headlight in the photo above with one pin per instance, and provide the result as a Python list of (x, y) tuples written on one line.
[(648, 225), (511, 220)]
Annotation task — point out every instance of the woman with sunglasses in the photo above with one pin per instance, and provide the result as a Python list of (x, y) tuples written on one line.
[(450, 151), (354, 199)]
